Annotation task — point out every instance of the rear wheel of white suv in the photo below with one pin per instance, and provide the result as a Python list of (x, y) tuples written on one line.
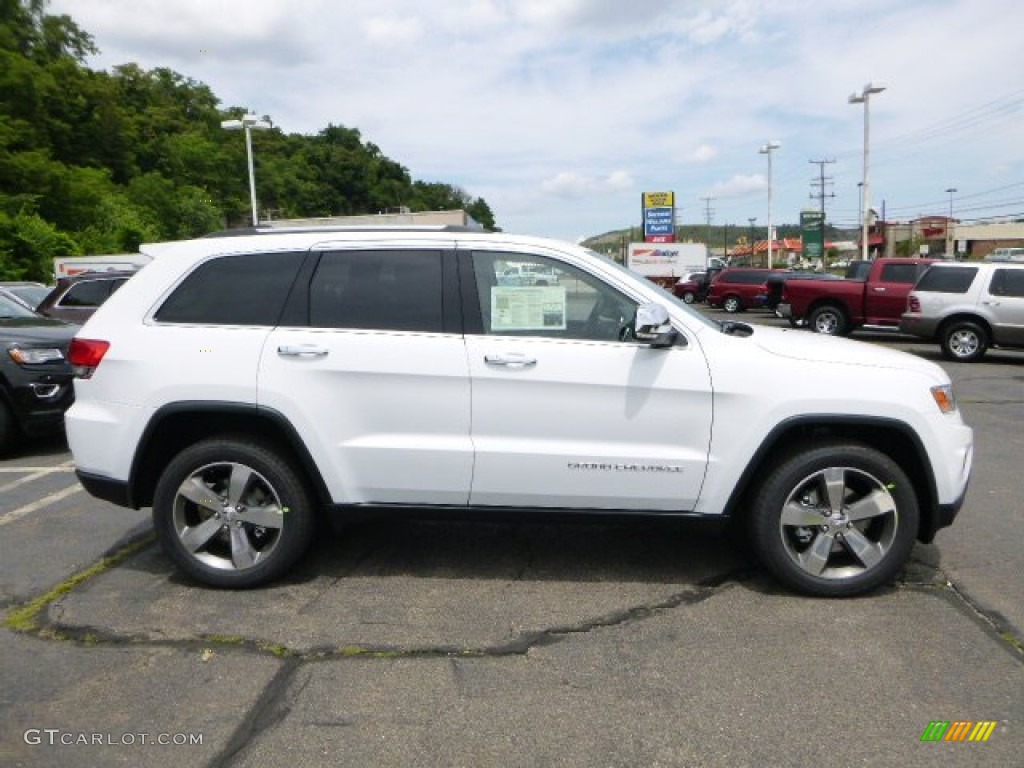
[(232, 513), (964, 341), (835, 519)]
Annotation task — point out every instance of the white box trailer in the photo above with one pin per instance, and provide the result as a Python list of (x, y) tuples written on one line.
[(664, 263), (66, 266)]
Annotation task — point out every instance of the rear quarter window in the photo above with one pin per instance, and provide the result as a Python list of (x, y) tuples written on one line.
[(1007, 282), (241, 289), (89, 293), (947, 279)]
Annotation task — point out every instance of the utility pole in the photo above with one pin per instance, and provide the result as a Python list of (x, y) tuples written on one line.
[(818, 190), (707, 219), (818, 184)]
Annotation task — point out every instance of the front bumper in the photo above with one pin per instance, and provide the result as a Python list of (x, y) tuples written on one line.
[(39, 403)]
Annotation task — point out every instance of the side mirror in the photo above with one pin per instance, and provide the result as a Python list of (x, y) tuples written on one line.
[(652, 326)]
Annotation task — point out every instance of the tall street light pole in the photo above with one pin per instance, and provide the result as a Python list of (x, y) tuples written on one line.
[(766, 149), (752, 219), (248, 123), (950, 240), (864, 97)]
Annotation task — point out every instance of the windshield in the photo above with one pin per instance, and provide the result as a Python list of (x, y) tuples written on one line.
[(666, 296), (11, 308)]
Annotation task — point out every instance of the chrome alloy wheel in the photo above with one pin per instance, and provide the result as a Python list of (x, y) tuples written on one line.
[(228, 516), (964, 343), (838, 523)]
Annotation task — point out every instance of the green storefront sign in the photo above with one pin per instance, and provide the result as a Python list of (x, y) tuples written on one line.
[(812, 231)]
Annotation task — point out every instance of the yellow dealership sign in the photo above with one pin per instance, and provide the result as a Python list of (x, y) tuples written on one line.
[(659, 199)]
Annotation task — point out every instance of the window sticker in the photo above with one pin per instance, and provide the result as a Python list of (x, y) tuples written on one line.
[(527, 308)]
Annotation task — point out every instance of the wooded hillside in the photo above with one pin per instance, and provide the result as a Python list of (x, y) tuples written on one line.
[(98, 162)]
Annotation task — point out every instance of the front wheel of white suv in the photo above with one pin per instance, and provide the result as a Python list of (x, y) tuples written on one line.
[(232, 513), (835, 519)]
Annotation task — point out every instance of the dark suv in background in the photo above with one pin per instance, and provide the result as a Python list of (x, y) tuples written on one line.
[(35, 376), (75, 298)]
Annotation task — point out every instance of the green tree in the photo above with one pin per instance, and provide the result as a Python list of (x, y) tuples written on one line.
[(109, 160), (28, 245)]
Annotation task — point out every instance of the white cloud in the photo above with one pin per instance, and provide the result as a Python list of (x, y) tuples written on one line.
[(739, 185), (525, 102), (704, 153), (392, 31), (570, 184)]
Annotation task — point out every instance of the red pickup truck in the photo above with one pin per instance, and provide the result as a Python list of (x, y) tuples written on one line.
[(837, 307)]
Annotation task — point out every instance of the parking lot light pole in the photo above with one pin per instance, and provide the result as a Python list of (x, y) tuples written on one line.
[(950, 240), (248, 123), (751, 220), (864, 97), (766, 149)]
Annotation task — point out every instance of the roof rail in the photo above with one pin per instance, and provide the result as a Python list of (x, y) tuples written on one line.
[(251, 231)]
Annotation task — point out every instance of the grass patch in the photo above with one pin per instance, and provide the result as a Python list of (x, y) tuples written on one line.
[(25, 617)]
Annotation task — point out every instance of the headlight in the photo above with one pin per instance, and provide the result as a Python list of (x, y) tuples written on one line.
[(943, 397), (35, 356)]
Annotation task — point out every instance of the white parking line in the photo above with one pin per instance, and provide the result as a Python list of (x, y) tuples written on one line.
[(58, 468), (37, 472), (20, 512)]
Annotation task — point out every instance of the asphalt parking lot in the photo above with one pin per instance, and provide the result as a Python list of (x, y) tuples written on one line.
[(512, 644)]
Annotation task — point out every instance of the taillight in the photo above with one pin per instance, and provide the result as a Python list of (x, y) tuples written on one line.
[(913, 304), (85, 355)]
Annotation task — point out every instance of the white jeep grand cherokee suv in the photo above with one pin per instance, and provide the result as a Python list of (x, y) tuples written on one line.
[(243, 386)]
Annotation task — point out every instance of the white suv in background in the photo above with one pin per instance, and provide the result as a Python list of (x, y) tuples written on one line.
[(243, 386), (968, 307)]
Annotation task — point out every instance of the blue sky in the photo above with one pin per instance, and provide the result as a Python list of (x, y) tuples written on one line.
[(560, 113)]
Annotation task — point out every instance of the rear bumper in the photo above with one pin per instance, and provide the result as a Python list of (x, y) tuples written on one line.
[(921, 327)]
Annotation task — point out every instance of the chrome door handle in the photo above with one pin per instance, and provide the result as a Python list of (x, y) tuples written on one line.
[(513, 360), (879, 289), (301, 350)]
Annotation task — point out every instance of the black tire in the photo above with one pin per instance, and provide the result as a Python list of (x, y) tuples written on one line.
[(853, 543), (9, 432), (689, 297), (829, 320), (964, 341), (732, 304), (231, 512)]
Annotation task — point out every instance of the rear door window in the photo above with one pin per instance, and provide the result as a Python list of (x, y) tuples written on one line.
[(383, 290)]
